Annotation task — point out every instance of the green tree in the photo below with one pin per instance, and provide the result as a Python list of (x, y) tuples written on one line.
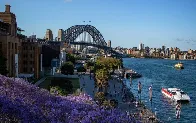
[(71, 58), (81, 69), (102, 77), (88, 65), (3, 68), (67, 68), (99, 96)]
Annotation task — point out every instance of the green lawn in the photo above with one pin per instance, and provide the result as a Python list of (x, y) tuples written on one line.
[(46, 84), (75, 83)]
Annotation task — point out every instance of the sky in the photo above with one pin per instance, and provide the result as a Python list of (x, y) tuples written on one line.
[(127, 23)]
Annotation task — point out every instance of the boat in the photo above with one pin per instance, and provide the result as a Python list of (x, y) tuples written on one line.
[(176, 94), (179, 65), (132, 74)]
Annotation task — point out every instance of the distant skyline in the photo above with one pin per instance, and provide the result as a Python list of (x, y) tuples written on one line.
[(126, 23)]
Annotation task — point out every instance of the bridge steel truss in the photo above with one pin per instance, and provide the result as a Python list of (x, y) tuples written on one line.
[(73, 32)]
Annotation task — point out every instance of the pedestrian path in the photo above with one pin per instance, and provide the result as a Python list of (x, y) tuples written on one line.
[(116, 91)]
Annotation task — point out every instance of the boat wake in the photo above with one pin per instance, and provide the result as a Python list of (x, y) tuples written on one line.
[(164, 65)]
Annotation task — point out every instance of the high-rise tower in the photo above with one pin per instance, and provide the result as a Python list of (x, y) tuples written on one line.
[(49, 35), (109, 43), (60, 35)]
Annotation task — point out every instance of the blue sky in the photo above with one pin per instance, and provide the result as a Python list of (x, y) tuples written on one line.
[(125, 22)]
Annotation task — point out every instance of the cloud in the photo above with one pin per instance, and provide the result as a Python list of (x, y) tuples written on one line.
[(185, 40), (68, 1)]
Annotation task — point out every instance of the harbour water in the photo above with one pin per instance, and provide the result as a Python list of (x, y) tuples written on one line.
[(161, 73)]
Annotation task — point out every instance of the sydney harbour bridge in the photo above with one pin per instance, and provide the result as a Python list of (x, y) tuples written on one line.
[(85, 35)]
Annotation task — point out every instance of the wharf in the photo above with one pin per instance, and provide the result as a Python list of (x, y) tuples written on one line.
[(129, 73)]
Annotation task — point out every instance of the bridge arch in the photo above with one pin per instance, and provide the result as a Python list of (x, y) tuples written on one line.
[(73, 32)]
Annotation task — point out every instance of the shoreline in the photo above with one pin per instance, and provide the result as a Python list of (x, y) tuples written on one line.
[(147, 114), (162, 58), (125, 106)]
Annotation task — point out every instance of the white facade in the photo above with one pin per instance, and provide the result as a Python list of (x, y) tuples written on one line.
[(141, 46), (62, 57), (173, 56)]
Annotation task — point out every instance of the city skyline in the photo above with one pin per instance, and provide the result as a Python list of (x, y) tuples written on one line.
[(154, 23)]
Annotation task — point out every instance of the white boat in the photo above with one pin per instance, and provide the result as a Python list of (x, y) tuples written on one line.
[(176, 94), (179, 65)]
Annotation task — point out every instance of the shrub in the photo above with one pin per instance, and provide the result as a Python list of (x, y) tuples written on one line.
[(81, 69), (56, 90), (30, 104), (67, 68)]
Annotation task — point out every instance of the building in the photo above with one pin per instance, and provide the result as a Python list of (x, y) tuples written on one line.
[(109, 43), (61, 36), (32, 38), (49, 35), (147, 50), (174, 56), (129, 51), (134, 48), (167, 52), (50, 51), (163, 49), (31, 61), (10, 39), (141, 46), (190, 51)]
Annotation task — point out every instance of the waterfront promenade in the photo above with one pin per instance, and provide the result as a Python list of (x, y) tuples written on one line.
[(117, 90)]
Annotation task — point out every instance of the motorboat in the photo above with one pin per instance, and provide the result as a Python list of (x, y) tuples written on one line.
[(179, 65), (175, 94)]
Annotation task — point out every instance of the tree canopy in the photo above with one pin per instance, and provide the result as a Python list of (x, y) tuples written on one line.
[(81, 69), (71, 58), (67, 68), (107, 63)]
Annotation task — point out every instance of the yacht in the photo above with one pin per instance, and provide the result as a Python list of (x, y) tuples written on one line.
[(179, 65), (175, 94)]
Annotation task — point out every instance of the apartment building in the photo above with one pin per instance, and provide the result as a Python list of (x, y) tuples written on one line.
[(10, 40)]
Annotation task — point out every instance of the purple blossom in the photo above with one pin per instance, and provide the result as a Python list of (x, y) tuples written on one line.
[(29, 103)]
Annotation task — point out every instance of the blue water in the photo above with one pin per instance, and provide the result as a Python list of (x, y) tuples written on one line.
[(160, 73)]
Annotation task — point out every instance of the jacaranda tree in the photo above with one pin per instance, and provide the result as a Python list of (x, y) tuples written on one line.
[(23, 102)]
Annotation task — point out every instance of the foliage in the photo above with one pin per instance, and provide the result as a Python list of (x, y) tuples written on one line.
[(110, 103), (114, 103), (56, 90), (29, 103), (67, 68), (88, 65), (102, 77), (108, 63), (71, 58), (81, 69), (64, 85), (3, 68), (100, 97)]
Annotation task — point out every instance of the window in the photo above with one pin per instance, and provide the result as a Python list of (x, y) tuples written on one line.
[(25, 55), (25, 69), (0, 46), (16, 46), (31, 62), (182, 92), (31, 55), (32, 69), (9, 45)]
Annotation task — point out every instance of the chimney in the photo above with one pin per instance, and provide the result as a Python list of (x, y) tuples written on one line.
[(7, 8)]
